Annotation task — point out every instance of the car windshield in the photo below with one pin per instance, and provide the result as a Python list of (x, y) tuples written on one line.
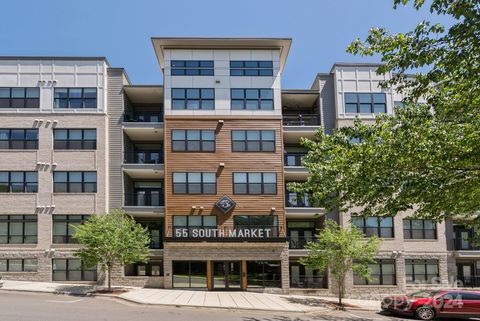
[(424, 294)]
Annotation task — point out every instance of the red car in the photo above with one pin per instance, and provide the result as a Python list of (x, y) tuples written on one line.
[(427, 305)]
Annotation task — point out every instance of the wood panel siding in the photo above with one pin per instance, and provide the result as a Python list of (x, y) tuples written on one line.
[(234, 162)]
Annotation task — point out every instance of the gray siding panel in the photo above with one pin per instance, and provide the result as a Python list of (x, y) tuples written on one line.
[(327, 102)]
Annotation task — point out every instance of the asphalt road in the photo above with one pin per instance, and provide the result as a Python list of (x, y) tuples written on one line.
[(22, 306)]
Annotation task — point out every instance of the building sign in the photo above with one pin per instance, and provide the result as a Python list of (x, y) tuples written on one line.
[(251, 233), (225, 204)]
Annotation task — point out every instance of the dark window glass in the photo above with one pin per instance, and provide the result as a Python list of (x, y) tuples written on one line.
[(373, 225), (192, 67), (63, 227), (75, 139), (251, 99), (72, 270), (74, 182), (189, 274), (18, 265), (253, 140), (365, 103), (183, 225), (419, 229), (422, 271), (193, 140), (255, 183), (75, 98), (382, 273), (18, 182), (194, 183), (18, 138), (251, 68), (193, 98), (18, 229), (261, 274), (20, 97), (267, 223)]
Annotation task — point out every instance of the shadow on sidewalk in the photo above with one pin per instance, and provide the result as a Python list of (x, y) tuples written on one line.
[(314, 302), (75, 290)]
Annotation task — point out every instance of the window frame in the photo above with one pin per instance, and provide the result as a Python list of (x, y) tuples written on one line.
[(244, 69), (264, 226), (358, 102), (425, 262), (68, 182), (187, 183), (380, 263), (68, 141), (261, 141), (68, 219), (7, 261), (186, 99), (68, 270), (24, 182), (364, 227), (245, 100), (25, 141), (200, 69), (186, 140), (69, 99), (410, 230), (25, 99), (247, 190), (15, 219)]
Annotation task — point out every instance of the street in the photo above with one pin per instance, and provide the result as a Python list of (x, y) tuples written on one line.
[(17, 306)]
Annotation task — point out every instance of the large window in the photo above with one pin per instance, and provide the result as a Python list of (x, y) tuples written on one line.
[(152, 268), (365, 103), (18, 265), (75, 98), (254, 183), (373, 225), (193, 140), (252, 99), (155, 229), (251, 68), (419, 229), (19, 97), (185, 226), (195, 183), (189, 274), (75, 139), (253, 140), (63, 227), (305, 277), (267, 223), (18, 138), (382, 273), (75, 182), (192, 68), (18, 182), (72, 270), (17, 229), (264, 274), (422, 271), (193, 98)]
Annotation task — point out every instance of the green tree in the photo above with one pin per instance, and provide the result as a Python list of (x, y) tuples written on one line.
[(110, 239), (425, 158), (341, 250)]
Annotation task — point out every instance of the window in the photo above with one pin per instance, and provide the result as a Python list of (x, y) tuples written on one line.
[(373, 225), (254, 183), (252, 99), (267, 223), (18, 229), (18, 182), (193, 140), (419, 229), (18, 97), (251, 68), (382, 273), (63, 227), (264, 274), (18, 138), (152, 268), (155, 229), (193, 98), (253, 140), (422, 271), (75, 98), (365, 103), (75, 182), (190, 226), (189, 274), (75, 139), (195, 183), (192, 68), (72, 270), (18, 265)]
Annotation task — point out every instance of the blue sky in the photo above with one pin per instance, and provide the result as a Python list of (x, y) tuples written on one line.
[(120, 30)]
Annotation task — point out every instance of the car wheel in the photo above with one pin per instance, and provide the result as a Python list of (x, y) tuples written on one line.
[(425, 313)]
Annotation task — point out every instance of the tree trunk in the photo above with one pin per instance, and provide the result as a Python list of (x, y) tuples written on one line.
[(340, 292), (109, 271)]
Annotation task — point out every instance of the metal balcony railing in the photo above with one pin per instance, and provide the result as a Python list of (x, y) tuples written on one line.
[(143, 157), (468, 281), (301, 120), (145, 198), (308, 282), (464, 245), (294, 159), (299, 242), (145, 117)]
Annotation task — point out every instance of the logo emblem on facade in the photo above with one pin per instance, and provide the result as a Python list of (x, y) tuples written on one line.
[(225, 204)]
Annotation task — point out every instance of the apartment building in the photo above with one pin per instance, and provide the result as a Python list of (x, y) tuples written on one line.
[(203, 161)]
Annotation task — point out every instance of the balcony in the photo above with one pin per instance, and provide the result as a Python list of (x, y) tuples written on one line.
[(151, 202), (143, 126), (143, 164), (294, 171), (464, 245), (302, 120)]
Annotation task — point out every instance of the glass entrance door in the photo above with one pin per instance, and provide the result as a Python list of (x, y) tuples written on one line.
[(227, 275)]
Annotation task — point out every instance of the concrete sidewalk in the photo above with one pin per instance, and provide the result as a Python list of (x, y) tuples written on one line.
[(202, 299)]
